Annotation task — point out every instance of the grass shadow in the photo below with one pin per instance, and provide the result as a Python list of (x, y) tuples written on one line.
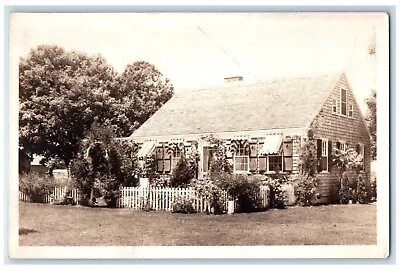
[(24, 231)]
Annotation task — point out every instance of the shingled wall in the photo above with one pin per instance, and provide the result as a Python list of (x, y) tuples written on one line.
[(337, 127)]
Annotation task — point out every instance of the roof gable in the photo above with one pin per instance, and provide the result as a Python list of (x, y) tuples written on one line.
[(275, 104)]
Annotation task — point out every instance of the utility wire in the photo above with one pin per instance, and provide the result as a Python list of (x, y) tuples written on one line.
[(233, 58), (227, 54)]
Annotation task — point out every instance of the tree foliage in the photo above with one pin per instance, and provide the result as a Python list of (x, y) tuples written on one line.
[(371, 121), (143, 89), (182, 173), (104, 164), (308, 158), (219, 162), (63, 93)]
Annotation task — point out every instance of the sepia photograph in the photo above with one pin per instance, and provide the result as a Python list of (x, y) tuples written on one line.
[(197, 135)]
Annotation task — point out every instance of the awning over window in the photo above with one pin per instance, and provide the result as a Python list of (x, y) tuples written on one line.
[(146, 148), (272, 144)]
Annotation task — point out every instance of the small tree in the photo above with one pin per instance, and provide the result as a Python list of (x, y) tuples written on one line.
[(105, 164), (346, 161), (182, 173), (305, 189), (219, 163)]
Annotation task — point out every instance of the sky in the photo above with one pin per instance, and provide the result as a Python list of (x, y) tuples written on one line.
[(198, 50)]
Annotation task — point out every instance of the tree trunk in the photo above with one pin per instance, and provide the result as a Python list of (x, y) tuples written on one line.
[(90, 202)]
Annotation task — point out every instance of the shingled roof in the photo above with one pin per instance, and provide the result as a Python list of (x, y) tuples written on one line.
[(275, 104)]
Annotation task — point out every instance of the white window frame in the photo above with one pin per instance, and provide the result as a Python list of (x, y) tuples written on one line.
[(363, 155), (268, 156), (241, 156), (361, 149), (324, 153), (351, 110), (335, 105), (343, 146)]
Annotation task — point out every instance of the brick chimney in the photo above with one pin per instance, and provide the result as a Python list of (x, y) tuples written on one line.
[(233, 79)]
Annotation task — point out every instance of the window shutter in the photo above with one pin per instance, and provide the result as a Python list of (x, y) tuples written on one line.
[(358, 148), (262, 164), (319, 154), (167, 165), (329, 156), (253, 164), (288, 164)]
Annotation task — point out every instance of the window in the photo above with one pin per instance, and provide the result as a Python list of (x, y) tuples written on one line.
[(351, 110), (335, 106), (324, 155), (163, 159), (241, 159), (253, 157), (176, 155), (360, 151), (342, 146), (262, 160), (287, 155), (207, 158), (274, 163), (343, 100)]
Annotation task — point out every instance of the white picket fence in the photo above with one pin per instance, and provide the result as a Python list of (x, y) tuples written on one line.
[(159, 198), (156, 198), (58, 194), (163, 198)]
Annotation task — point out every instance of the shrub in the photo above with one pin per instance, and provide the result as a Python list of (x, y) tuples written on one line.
[(81, 175), (308, 160), (67, 200), (106, 164), (243, 189), (362, 190), (182, 173), (344, 195), (36, 187), (277, 196), (305, 191), (183, 205), (373, 189), (209, 190)]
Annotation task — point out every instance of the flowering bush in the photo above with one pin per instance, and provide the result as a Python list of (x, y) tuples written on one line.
[(36, 187), (209, 190), (244, 189), (305, 191), (277, 196), (183, 205), (362, 190)]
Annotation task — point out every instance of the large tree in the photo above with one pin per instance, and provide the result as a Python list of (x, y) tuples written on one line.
[(371, 103), (143, 89), (371, 121), (61, 94)]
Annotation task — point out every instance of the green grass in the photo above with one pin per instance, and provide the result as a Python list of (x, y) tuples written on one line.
[(47, 225)]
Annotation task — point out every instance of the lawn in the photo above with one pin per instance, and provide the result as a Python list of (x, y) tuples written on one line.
[(44, 225)]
